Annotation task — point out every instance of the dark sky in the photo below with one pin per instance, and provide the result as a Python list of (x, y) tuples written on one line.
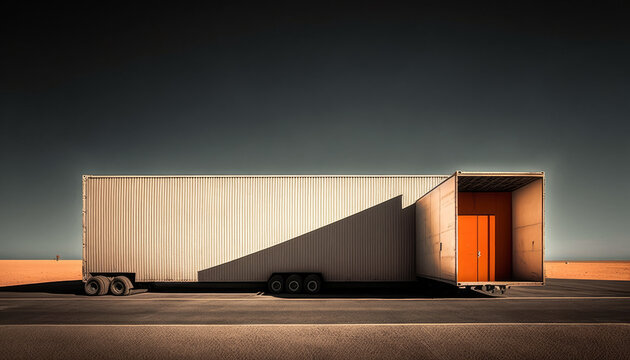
[(315, 88)]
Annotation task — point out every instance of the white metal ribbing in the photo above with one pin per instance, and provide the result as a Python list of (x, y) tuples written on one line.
[(169, 228)]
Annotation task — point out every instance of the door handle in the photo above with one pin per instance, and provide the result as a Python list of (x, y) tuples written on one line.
[(478, 253)]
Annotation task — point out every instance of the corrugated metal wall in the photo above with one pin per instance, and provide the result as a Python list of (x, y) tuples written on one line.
[(239, 228)]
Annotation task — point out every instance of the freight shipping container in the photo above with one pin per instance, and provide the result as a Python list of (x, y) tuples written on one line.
[(482, 230), (290, 231)]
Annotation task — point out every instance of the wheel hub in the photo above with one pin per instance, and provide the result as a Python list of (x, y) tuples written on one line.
[(312, 285), (293, 285)]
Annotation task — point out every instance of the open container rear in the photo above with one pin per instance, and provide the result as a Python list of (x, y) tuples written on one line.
[(482, 229)]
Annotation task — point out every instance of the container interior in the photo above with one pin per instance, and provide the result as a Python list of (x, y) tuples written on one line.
[(500, 228)]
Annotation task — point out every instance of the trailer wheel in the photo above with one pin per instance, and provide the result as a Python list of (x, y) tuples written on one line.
[(104, 284), (312, 284), (120, 286), (294, 284), (93, 286), (129, 283), (276, 284)]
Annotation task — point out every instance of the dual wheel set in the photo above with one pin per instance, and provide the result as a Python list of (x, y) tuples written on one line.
[(101, 285), (294, 283)]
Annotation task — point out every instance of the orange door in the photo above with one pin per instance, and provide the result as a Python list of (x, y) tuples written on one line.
[(467, 248), (482, 248), (475, 247), (491, 248)]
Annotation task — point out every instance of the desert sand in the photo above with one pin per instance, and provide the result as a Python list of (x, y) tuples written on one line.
[(588, 270), (19, 272)]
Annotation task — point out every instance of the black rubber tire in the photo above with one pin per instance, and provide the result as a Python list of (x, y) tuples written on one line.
[(104, 289), (92, 287), (120, 286), (312, 284), (276, 284), (129, 283), (294, 284)]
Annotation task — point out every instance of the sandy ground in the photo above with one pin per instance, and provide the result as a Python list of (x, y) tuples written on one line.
[(18, 272), (588, 270)]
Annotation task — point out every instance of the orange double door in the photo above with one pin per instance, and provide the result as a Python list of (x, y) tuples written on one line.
[(476, 248)]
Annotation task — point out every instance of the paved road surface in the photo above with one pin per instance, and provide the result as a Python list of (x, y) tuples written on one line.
[(566, 319)]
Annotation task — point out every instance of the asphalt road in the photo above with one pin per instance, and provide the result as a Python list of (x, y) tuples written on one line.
[(565, 319)]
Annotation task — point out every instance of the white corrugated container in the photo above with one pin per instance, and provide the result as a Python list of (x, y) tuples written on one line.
[(244, 228)]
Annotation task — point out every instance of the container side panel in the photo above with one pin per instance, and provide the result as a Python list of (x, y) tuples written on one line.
[(183, 228), (447, 231), (434, 235), (435, 232), (527, 232)]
